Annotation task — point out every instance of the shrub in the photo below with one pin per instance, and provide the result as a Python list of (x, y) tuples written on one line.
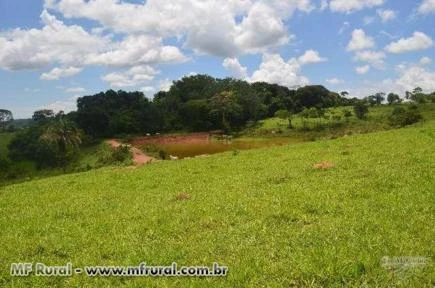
[(114, 156), (121, 153), (403, 117), (360, 110)]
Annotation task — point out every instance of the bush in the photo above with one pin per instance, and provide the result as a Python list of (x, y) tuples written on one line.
[(4, 165), (403, 117), (360, 110), (121, 153), (115, 156)]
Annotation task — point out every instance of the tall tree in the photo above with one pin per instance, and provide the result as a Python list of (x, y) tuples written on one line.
[(225, 107), (63, 133), (5, 118), (393, 98)]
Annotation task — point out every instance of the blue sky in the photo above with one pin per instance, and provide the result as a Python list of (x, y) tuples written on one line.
[(53, 51)]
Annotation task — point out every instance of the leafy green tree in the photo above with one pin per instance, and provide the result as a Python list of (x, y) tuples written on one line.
[(41, 115), (376, 99), (64, 134), (418, 95), (403, 117), (360, 109), (6, 117), (225, 107), (393, 98)]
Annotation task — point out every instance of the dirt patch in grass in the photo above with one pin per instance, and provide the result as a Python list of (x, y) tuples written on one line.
[(182, 197), (323, 165), (139, 158)]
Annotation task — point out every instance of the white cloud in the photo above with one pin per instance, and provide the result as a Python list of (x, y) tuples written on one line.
[(58, 73), (362, 69), (54, 43), (148, 89), (409, 76), (386, 15), (260, 29), (375, 58), (360, 41), (57, 43), (137, 50), (274, 69), (165, 85), (418, 41), (349, 6), (324, 5), (61, 105), (75, 90), (412, 76), (311, 56), (233, 65), (427, 7), (132, 77), (425, 60), (368, 20), (334, 81), (222, 28)]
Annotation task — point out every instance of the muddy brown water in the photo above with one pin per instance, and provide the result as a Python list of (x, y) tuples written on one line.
[(197, 144)]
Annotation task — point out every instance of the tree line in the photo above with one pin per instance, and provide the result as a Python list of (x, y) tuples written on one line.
[(192, 104), (196, 103)]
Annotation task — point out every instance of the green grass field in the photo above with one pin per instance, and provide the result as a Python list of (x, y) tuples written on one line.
[(267, 214), (330, 127)]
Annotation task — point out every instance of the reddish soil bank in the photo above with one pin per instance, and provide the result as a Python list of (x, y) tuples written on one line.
[(139, 158)]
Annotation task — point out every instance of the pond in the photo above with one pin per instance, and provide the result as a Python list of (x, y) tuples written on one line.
[(197, 144)]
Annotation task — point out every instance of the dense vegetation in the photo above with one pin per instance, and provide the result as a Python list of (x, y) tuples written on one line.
[(195, 103), (274, 216)]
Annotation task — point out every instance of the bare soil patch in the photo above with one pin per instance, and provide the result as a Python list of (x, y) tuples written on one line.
[(323, 165)]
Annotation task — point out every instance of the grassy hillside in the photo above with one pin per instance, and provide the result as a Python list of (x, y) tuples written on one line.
[(334, 124), (269, 215)]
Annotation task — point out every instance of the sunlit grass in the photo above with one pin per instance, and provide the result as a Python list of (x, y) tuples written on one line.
[(267, 214)]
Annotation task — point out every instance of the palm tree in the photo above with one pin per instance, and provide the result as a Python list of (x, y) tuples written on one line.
[(64, 134)]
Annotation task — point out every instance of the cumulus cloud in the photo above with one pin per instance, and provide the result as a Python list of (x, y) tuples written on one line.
[(221, 28), (427, 7), (360, 41), (349, 6), (362, 69), (58, 73), (137, 50), (260, 29), (274, 69), (233, 65), (374, 58), (54, 43), (418, 41), (132, 77), (334, 81), (386, 15), (425, 60), (311, 56), (411, 76)]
